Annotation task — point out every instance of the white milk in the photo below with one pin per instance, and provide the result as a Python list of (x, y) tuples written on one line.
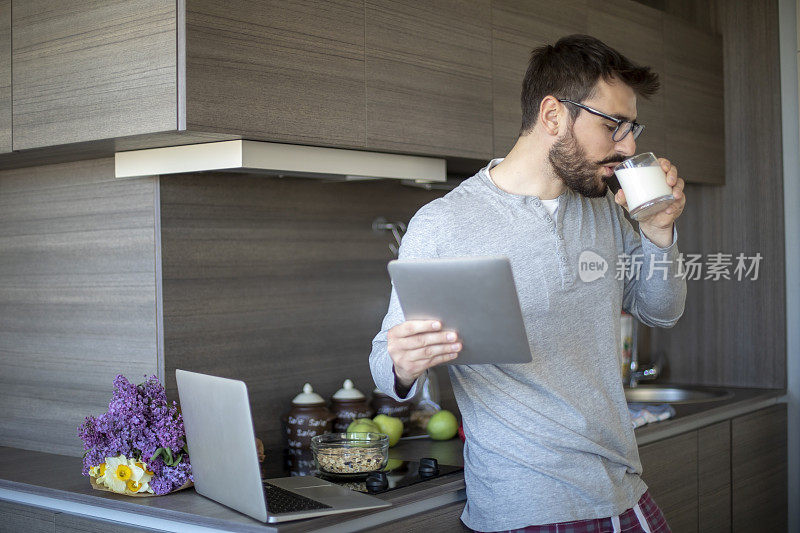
[(642, 184)]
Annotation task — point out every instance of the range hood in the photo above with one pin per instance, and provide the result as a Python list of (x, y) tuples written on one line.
[(278, 159)]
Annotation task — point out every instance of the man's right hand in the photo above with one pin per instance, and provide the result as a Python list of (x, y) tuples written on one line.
[(417, 345)]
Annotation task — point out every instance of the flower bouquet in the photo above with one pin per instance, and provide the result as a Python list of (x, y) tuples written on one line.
[(138, 447)]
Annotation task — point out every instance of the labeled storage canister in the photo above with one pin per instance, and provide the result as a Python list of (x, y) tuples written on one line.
[(347, 405), (308, 417)]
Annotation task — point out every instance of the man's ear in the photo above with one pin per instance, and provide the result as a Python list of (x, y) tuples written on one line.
[(551, 115)]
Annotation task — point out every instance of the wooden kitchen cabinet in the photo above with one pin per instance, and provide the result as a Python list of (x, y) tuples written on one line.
[(429, 77), (729, 476), (17, 517), (714, 477), (635, 30), (517, 28), (684, 120), (694, 102), (279, 70), (670, 471), (759, 470), (439, 78), (5, 76), (445, 519), (88, 71)]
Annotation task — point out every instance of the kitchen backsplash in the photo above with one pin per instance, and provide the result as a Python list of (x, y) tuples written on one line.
[(278, 282)]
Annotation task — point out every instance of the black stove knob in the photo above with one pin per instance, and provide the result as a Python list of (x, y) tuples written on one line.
[(428, 467), (377, 482)]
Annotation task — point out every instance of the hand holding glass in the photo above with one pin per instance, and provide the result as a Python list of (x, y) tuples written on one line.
[(645, 185)]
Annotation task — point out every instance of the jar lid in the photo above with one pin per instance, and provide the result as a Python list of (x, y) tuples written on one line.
[(308, 396), (348, 392)]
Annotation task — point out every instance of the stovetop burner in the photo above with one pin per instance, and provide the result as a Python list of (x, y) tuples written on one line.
[(400, 474), (397, 473)]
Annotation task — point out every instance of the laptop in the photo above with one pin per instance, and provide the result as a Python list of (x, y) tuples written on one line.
[(222, 451), (476, 296)]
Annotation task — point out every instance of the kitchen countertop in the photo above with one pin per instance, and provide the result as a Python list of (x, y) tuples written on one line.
[(54, 481), (695, 415)]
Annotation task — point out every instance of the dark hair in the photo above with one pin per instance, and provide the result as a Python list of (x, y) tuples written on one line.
[(571, 69)]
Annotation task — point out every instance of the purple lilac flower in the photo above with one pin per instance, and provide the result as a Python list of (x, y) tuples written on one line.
[(138, 422)]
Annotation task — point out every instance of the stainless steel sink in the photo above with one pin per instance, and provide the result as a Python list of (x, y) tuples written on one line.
[(668, 394)]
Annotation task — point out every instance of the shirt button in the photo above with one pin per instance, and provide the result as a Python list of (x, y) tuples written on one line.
[(537, 203), (561, 237), (563, 259)]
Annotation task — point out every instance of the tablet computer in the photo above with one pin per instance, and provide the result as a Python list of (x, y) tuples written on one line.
[(476, 296)]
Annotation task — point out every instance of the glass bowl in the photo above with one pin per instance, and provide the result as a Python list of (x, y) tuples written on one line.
[(350, 454)]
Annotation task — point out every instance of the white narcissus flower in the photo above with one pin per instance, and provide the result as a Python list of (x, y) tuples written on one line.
[(99, 473), (117, 473), (139, 481)]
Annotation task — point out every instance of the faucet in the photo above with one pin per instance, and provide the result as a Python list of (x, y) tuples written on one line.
[(637, 374), (398, 229), (645, 374)]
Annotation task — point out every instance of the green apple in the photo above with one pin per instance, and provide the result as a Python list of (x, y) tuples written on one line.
[(443, 425), (391, 426), (363, 425)]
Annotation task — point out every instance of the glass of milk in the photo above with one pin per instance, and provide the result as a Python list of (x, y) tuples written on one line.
[(645, 185)]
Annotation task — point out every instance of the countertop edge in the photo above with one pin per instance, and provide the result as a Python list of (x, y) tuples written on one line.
[(450, 491), (670, 428), (117, 511), (130, 513)]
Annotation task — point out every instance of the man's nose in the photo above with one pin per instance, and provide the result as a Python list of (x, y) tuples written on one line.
[(627, 146)]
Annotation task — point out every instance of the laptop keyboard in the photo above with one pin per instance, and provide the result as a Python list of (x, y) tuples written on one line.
[(285, 501)]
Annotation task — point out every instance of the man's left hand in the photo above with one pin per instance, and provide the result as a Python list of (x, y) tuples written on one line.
[(658, 227)]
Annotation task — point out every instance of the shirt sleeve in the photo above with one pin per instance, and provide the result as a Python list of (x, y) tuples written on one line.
[(654, 289), (418, 243)]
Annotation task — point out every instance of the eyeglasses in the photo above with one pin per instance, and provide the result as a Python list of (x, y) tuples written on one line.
[(624, 127)]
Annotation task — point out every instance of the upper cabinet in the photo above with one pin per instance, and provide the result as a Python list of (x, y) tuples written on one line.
[(429, 77), (87, 71), (279, 70), (693, 96), (5, 76), (517, 28), (635, 31), (438, 78), (684, 120)]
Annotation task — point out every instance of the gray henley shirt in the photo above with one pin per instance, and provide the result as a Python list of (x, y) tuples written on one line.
[(550, 440)]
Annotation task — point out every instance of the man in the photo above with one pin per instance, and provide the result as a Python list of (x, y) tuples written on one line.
[(551, 441)]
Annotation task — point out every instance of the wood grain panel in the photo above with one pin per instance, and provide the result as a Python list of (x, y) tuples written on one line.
[(693, 89), (15, 517), (635, 31), (77, 297), (92, 70), (277, 70), (70, 523), (5, 76), (670, 471), (759, 479), (714, 477), (445, 519), (428, 76), (276, 281), (517, 28), (734, 332)]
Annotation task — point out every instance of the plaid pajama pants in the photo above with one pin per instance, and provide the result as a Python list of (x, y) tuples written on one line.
[(644, 517)]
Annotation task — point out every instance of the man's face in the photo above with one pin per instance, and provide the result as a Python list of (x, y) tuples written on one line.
[(585, 156)]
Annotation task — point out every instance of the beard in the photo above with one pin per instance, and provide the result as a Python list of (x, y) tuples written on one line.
[(570, 164)]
